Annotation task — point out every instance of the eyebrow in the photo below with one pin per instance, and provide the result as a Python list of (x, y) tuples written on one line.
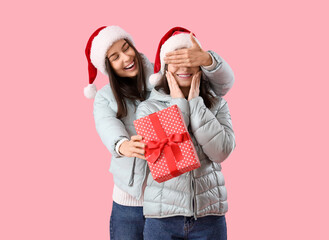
[(123, 45)]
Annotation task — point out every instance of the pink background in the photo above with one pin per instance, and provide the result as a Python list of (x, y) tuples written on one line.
[(54, 174)]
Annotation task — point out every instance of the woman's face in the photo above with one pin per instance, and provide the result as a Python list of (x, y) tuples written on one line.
[(123, 59), (183, 75)]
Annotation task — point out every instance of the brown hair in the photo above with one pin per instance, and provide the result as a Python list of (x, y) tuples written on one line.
[(208, 98), (124, 88)]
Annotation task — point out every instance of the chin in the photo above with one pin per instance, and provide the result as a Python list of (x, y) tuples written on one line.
[(185, 85), (131, 74), (134, 74)]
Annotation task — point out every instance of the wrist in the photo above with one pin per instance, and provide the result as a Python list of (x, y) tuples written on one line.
[(207, 59), (120, 145)]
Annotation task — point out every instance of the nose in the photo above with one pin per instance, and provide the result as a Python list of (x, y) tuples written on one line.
[(184, 69), (125, 57)]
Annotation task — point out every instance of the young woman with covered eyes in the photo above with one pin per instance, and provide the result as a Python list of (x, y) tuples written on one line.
[(111, 50), (192, 205)]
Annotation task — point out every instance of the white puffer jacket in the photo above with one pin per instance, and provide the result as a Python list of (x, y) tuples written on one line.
[(202, 191), (128, 172)]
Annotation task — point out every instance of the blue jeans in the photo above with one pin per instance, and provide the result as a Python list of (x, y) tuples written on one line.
[(126, 223), (209, 227)]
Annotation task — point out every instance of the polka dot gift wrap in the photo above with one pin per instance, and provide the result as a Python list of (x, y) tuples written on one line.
[(169, 149)]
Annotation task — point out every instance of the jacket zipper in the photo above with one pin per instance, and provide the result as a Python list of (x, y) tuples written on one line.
[(194, 206), (193, 196)]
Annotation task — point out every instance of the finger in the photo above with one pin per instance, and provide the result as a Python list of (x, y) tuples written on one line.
[(136, 138), (180, 56), (197, 80), (181, 60), (139, 156), (192, 83), (177, 52), (190, 94), (194, 42), (139, 145), (173, 80), (199, 77), (169, 81), (177, 60), (168, 77), (172, 83), (197, 85), (139, 151), (187, 64)]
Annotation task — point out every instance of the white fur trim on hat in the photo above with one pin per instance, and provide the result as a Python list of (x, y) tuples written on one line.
[(155, 78), (178, 41), (102, 42), (90, 91)]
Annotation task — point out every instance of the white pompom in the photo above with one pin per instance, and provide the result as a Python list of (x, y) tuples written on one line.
[(155, 78), (90, 91)]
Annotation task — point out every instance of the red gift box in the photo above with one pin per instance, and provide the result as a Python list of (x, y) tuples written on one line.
[(169, 149)]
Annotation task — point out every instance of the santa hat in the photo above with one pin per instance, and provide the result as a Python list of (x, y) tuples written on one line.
[(175, 38), (97, 46)]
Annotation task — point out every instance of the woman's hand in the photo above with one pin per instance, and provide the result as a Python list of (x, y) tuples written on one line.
[(133, 148), (195, 86), (189, 57), (175, 91)]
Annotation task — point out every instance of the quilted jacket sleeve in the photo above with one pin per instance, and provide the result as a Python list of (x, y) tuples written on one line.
[(213, 132), (221, 78), (110, 129)]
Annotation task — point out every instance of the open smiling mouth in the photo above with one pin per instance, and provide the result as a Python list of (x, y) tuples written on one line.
[(184, 75), (130, 66)]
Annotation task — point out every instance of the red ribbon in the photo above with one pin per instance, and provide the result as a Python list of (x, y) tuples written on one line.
[(154, 148), (167, 144)]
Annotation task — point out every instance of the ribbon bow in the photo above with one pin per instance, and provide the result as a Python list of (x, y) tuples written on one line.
[(154, 148)]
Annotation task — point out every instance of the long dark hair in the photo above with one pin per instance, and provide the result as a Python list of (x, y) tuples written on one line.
[(125, 88), (208, 98)]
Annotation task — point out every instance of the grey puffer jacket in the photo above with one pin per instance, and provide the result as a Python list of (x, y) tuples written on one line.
[(202, 191), (129, 173)]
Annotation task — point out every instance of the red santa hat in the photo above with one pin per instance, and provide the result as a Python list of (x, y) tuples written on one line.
[(97, 46), (175, 38)]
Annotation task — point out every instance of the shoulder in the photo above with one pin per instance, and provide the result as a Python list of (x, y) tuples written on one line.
[(150, 104), (105, 93), (105, 98), (148, 107)]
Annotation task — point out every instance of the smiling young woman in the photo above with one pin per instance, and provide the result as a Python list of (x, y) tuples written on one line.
[(192, 205)]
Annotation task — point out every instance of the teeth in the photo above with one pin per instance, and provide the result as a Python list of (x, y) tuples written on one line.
[(184, 75), (130, 66)]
